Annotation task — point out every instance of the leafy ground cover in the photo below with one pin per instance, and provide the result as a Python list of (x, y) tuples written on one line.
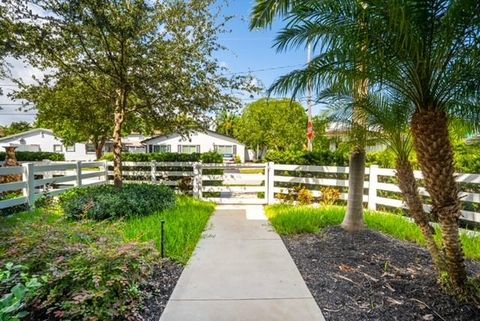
[(52, 268), (369, 275)]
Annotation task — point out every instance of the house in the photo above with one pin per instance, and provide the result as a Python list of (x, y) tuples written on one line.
[(198, 142), (44, 140), (339, 132)]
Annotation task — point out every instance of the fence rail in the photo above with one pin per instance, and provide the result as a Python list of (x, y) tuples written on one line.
[(51, 178), (228, 183)]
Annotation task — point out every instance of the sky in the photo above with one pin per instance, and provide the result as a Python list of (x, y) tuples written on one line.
[(248, 52)]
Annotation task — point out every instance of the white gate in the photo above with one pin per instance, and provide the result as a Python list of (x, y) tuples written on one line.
[(234, 183)]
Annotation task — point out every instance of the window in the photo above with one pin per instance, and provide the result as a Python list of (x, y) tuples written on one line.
[(162, 148), (70, 149), (188, 149), (57, 148), (224, 149), (90, 148)]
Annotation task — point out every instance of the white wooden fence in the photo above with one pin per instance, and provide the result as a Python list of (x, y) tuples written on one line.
[(50, 179), (228, 183)]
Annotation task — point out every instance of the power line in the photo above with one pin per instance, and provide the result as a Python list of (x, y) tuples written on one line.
[(264, 69)]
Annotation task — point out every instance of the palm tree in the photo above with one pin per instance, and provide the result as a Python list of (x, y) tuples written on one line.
[(225, 122), (425, 50), (388, 121), (336, 29), (429, 52)]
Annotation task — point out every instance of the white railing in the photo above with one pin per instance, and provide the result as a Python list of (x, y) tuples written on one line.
[(227, 183), (377, 183), (53, 178)]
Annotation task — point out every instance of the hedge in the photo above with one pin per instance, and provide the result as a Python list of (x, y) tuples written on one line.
[(35, 156), (210, 157), (325, 157), (109, 202)]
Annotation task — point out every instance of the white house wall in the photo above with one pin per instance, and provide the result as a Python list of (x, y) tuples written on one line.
[(44, 141), (207, 143)]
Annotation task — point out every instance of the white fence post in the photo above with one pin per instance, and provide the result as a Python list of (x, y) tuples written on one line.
[(197, 180), (269, 182), (372, 187), (29, 178), (105, 168), (153, 171), (78, 172)]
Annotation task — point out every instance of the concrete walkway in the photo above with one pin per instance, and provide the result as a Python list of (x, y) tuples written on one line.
[(241, 271)]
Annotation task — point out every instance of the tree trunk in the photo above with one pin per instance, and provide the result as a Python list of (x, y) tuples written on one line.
[(353, 220), (120, 105), (409, 188), (435, 156), (99, 144)]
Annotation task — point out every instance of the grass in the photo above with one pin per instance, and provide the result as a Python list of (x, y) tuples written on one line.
[(184, 225), (251, 171), (289, 220)]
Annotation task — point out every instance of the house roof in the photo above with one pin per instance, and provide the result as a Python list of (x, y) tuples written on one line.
[(208, 132), (31, 131)]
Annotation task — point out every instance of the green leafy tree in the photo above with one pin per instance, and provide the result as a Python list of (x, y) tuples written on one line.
[(15, 128), (73, 110), (272, 124), (153, 58)]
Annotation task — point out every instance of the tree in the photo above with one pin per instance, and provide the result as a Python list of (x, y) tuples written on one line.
[(337, 28), (153, 58), (74, 111), (16, 127), (388, 120), (429, 52), (272, 124), (226, 123)]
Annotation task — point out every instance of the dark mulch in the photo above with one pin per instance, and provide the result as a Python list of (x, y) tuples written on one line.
[(159, 288), (368, 276)]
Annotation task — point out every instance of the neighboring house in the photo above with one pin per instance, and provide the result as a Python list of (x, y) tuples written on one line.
[(131, 143), (338, 132), (199, 142), (43, 140)]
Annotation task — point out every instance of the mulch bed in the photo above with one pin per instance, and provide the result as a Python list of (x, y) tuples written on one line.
[(159, 288), (369, 276)]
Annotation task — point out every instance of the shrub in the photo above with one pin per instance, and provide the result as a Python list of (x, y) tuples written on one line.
[(159, 157), (106, 201), (305, 196), (35, 156), (211, 157), (330, 195), (85, 271), (324, 157)]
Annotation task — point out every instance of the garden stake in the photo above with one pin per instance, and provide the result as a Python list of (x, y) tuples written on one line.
[(162, 249)]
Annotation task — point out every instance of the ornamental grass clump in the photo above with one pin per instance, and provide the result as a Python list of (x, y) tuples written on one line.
[(109, 202)]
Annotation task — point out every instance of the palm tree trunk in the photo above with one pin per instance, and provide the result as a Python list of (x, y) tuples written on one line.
[(435, 156), (353, 220), (409, 188)]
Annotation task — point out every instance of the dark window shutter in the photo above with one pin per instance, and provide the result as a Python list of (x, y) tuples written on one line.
[(179, 148), (234, 150), (169, 148), (198, 148)]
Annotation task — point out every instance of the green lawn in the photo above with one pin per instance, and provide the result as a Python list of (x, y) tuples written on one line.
[(184, 225), (288, 220)]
